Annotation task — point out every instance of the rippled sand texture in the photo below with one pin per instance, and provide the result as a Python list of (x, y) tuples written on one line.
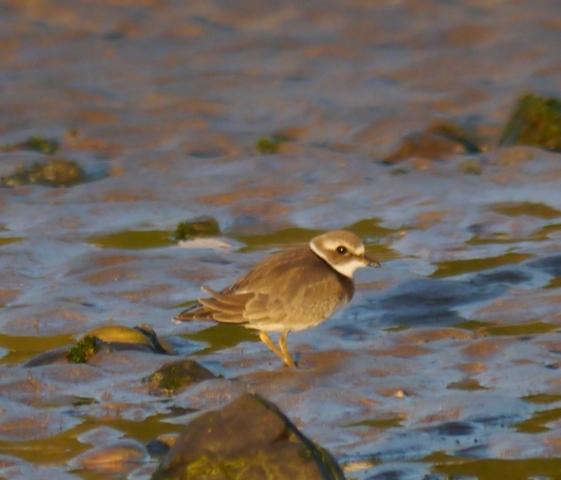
[(447, 362)]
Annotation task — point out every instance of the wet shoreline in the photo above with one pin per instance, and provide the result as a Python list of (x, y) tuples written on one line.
[(279, 121)]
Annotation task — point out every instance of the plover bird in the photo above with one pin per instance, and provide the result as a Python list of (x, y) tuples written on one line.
[(290, 290)]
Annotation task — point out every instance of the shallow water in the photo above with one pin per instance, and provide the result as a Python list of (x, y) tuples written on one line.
[(446, 362)]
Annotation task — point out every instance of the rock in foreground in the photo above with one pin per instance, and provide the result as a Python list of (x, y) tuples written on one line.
[(249, 439)]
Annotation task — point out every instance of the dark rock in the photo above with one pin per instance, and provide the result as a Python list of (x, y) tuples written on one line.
[(203, 226), (36, 143), (249, 439), (269, 145), (157, 448), (440, 140), (424, 145), (458, 133), (174, 377), (535, 121), (57, 172)]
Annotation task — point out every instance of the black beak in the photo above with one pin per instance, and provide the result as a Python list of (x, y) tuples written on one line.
[(370, 262)]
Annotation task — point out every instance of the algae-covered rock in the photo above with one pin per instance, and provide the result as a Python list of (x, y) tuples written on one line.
[(110, 337), (248, 439), (535, 121), (174, 377), (83, 350), (204, 226), (142, 336), (57, 172), (269, 145), (35, 143)]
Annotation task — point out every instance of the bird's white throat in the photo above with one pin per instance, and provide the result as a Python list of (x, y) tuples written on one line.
[(347, 268)]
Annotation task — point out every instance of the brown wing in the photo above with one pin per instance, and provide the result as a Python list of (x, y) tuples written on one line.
[(220, 306), (284, 289)]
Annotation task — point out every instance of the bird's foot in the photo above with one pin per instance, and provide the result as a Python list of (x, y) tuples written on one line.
[(287, 360)]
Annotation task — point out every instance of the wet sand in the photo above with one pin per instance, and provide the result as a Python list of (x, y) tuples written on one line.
[(447, 361)]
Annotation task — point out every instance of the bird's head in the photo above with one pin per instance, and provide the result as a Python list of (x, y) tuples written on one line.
[(343, 251)]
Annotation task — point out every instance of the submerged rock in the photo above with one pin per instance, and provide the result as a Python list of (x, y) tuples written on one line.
[(110, 337), (174, 377), (249, 438), (535, 121), (270, 145), (57, 172), (204, 226), (116, 458), (439, 141), (143, 336), (35, 143)]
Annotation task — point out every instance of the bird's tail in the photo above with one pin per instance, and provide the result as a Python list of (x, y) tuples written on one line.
[(194, 312)]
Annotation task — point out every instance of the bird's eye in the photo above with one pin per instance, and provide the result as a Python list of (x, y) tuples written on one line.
[(342, 250)]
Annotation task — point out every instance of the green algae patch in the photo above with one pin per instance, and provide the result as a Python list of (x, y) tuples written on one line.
[(555, 282), (144, 430), (508, 330), (531, 209), (542, 398), (385, 423), (133, 239), (83, 350), (537, 423), (286, 236), (57, 172), (546, 230), (21, 348), (473, 325), (221, 336), (535, 121), (501, 238), (467, 384), (57, 449), (370, 228), (8, 240), (460, 267), (522, 329), (61, 447), (174, 377), (270, 145), (198, 227), (494, 468), (36, 143)]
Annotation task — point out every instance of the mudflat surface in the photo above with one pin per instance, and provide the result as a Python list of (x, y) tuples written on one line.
[(447, 361)]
